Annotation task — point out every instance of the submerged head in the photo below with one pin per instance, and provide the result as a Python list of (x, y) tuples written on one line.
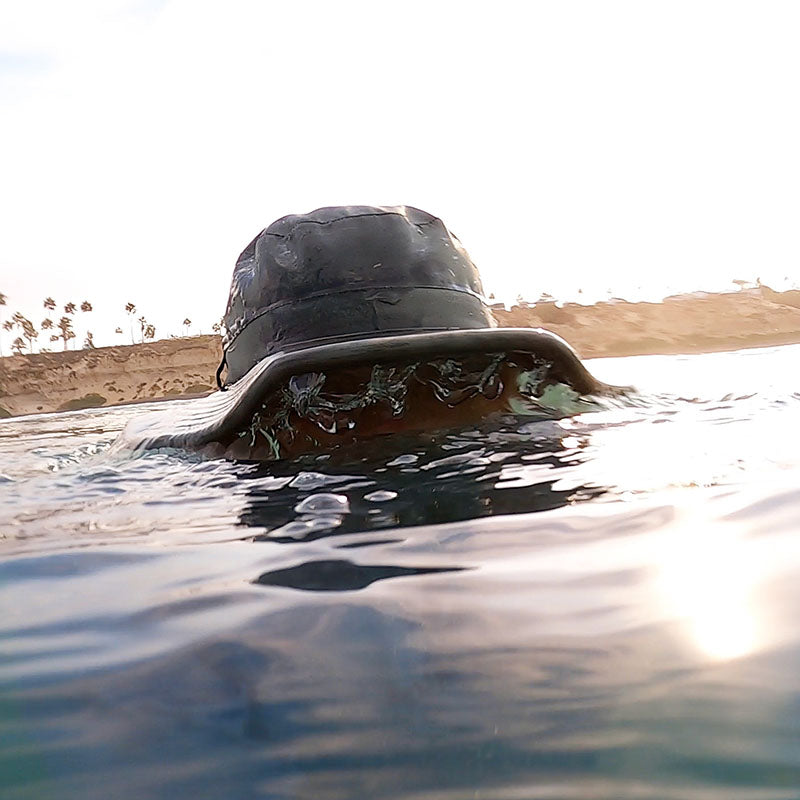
[(357, 321)]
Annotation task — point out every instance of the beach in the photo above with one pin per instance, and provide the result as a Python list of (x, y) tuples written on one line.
[(185, 367)]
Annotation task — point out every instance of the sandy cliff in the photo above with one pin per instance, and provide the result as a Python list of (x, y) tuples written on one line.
[(681, 324), (108, 375), (185, 367)]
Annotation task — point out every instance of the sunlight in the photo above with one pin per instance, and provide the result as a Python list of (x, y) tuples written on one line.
[(652, 455), (707, 578)]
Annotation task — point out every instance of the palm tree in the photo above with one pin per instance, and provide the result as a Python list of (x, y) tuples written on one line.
[(187, 323), (65, 326), (26, 326), (142, 325), (85, 306), (49, 305), (149, 331), (69, 308), (29, 332), (17, 345), (88, 342), (130, 308)]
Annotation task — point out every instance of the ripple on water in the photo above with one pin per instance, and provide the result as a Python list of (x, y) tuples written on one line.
[(600, 606)]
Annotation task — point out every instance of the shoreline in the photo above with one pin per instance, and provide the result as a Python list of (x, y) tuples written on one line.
[(184, 367)]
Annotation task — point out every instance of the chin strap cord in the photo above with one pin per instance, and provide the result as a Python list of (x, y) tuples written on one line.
[(222, 365)]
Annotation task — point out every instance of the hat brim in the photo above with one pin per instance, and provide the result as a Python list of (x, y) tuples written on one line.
[(221, 415)]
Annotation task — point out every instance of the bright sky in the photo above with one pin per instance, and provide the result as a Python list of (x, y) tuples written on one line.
[(634, 147)]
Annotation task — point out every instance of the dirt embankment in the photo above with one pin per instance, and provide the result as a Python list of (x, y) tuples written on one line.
[(698, 323), (44, 382)]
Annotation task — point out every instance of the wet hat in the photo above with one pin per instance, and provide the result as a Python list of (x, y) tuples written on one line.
[(343, 286)]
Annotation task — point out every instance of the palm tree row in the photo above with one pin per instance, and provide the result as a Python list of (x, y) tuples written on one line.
[(62, 328)]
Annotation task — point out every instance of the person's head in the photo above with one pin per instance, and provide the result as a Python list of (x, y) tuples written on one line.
[(360, 320)]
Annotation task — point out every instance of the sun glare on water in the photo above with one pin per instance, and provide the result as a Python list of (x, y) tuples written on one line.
[(708, 578)]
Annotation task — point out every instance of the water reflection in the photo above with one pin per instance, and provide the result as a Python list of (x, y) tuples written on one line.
[(708, 577), (415, 480), (443, 686), (638, 649)]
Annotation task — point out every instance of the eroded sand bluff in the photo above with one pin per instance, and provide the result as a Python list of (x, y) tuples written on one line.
[(185, 367)]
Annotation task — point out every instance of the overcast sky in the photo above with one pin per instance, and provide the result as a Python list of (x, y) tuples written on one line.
[(632, 147)]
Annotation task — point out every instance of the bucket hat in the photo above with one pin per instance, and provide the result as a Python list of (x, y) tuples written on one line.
[(344, 286)]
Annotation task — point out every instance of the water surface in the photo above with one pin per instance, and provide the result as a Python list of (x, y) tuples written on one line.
[(596, 607)]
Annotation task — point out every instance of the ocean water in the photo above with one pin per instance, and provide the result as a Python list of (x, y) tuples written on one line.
[(604, 606)]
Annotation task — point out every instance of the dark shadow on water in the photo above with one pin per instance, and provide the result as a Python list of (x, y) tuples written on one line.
[(339, 575)]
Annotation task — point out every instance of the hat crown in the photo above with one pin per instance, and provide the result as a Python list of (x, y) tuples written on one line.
[(348, 271)]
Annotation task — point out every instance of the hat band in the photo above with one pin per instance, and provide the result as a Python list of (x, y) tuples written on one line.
[(354, 314)]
